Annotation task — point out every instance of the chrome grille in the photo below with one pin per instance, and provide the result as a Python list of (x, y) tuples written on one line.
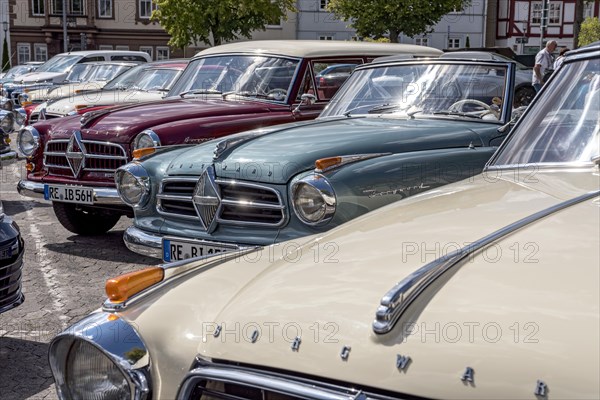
[(212, 381), (100, 156), (11, 263), (240, 202)]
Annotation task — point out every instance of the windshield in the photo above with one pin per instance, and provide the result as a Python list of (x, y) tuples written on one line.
[(79, 73), (59, 64), (16, 71), (453, 90), (105, 72), (155, 79), (564, 125), (254, 76)]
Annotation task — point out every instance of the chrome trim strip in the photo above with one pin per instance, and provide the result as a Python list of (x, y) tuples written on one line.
[(134, 365), (180, 268), (286, 385), (252, 204), (174, 197), (396, 301)]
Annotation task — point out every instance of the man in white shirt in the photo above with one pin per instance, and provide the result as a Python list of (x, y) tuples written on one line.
[(543, 62)]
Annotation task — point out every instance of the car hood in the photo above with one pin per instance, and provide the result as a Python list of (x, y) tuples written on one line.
[(511, 312), (295, 148), (36, 77), (100, 98), (131, 119)]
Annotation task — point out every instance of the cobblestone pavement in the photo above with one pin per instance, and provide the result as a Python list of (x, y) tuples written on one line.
[(63, 280)]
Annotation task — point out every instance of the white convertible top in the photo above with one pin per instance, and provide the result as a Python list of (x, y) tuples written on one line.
[(319, 48)]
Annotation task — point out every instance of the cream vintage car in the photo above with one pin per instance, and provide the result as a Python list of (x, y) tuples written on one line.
[(485, 288)]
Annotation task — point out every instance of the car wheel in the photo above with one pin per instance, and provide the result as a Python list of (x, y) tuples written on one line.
[(84, 222), (523, 96)]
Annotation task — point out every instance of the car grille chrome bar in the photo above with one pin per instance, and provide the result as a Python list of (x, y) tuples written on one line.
[(100, 156), (209, 380), (239, 203)]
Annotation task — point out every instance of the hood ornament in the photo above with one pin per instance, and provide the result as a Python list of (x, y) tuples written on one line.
[(230, 143), (76, 154)]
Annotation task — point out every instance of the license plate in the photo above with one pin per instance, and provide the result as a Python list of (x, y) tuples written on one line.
[(69, 194), (175, 250)]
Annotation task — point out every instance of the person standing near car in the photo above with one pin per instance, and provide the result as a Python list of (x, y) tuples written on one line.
[(543, 62)]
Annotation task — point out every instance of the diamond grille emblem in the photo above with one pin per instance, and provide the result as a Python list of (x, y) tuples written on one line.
[(76, 154), (206, 199)]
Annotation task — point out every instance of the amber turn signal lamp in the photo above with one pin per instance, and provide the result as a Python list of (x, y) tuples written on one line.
[(80, 106), (122, 287), (325, 163), (30, 167), (146, 151)]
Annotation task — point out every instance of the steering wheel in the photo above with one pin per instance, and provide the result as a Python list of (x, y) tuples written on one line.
[(458, 107), (277, 93)]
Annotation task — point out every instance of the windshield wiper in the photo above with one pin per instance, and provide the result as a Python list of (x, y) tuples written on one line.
[(200, 91), (384, 108), (456, 113), (247, 93)]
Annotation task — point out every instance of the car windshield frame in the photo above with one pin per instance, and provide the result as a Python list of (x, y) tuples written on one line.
[(553, 132), (59, 63), (236, 75), (413, 89)]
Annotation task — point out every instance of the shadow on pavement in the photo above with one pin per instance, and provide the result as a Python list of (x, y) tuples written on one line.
[(24, 369)]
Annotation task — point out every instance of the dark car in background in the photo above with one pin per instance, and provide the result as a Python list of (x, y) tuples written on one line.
[(11, 262)]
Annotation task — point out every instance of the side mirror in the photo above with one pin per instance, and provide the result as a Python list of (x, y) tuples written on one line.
[(305, 99), (516, 115)]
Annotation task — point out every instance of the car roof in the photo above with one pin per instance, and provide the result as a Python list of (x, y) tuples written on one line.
[(109, 52), (318, 48), (132, 63), (168, 64)]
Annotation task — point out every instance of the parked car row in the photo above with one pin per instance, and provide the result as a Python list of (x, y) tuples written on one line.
[(293, 271)]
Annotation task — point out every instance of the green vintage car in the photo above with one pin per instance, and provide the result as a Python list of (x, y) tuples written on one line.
[(398, 127)]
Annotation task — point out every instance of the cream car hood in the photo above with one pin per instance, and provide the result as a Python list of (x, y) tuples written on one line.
[(524, 310), (101, 98)]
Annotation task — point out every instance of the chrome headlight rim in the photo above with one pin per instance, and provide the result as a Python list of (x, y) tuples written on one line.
[(6, 104), (7, 122), (322, 185), (102, 331), (150, 135), (140, 175), (35, 138)]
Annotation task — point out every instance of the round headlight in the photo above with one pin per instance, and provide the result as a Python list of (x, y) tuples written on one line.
[(6, 104), (313, 199), (90, 374), (24, 99), (28, 141), (7, 122), (147, 138), (133, 184)]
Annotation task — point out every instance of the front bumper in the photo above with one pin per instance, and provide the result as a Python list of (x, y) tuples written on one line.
[(151, 244), (102, 196), (8, 158)]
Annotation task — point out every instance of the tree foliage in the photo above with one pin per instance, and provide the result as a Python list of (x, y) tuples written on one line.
[(377, 18), (590, 31), (216, 21)]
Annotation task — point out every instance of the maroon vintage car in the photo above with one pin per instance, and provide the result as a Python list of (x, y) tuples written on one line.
[(224, 90)]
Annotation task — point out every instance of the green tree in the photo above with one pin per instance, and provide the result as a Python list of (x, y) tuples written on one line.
[(216, 21), (5, 57), (590, 31), (378, 18)]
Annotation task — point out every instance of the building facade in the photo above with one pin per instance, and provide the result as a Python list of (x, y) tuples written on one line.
[(519, 23)]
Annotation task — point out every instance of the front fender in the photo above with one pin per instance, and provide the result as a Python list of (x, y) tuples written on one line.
[(367, 185)]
